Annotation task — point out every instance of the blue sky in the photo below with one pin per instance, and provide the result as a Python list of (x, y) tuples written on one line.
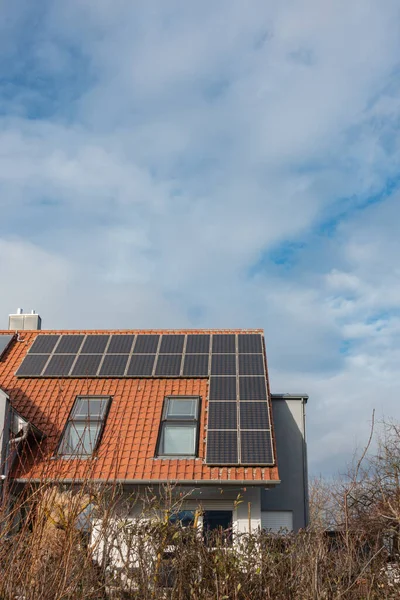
[(213, 164)]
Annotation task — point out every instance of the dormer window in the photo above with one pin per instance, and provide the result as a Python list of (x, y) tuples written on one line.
[(84, 427), (178, 435)]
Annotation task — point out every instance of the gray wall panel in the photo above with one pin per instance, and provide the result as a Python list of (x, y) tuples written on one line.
[(292, 492)]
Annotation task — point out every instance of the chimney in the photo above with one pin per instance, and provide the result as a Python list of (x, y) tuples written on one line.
[(21, 321)]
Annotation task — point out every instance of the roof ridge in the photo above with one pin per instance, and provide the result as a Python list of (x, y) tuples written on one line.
[(196, 331)]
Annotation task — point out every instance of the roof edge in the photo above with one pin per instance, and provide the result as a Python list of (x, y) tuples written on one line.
[(244, 482), (304, 397), (197, 330)]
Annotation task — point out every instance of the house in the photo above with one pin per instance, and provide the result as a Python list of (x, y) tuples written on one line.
[(145, 408)]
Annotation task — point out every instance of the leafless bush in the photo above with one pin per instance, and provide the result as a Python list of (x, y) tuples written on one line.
[(134, 550)]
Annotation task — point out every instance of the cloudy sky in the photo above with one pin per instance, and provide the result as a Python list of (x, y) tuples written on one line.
[(213, 164)]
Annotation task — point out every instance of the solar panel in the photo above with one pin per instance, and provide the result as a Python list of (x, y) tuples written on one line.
[(69, 344), (59, 365), (252, 388), (224, 343), (86, 365), (95, 344), (172, 344), (32, 365), (251, 364), (44, 344), (168, 365), (223, 364), (146, 344), (196, 365), (222, 447), (198, 344), (222, 388), (256, 447), (222, 415), (120, 344), (254, 415), (141, 365), (114, 365), (250, 343)]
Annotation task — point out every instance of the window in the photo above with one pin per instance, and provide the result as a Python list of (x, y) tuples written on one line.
[(277, 521), (217, 526), (84, 427), (183, 518), (179, 427)]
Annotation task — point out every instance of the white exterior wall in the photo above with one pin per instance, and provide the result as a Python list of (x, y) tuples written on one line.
[(248, 511), (244, 504)]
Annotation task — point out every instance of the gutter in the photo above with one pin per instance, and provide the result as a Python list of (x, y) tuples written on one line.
[(303, 397), (244, 482)]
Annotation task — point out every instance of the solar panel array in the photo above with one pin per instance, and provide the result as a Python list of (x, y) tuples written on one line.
[(239, 424), (119, 355)]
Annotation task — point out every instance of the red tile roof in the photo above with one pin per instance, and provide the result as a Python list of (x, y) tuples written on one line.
[(128, 445)]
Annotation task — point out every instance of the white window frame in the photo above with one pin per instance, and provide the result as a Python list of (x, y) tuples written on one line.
[(175, 420)]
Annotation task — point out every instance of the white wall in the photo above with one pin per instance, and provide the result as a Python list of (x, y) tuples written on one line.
[(245, 505)]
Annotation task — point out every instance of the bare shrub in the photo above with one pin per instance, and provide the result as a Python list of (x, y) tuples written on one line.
[(87, 541)]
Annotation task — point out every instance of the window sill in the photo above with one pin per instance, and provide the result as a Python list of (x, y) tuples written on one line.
[(75, 457), (176, 457)]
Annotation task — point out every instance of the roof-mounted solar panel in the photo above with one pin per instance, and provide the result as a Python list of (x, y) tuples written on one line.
[(172, 344), (141, 365), (196, 365), (251, 364), (59, 365), (223, 364), (222, 447), (69, 344), (86, 365), (32, 365), (168, 365), (250, 343), (222, 415), (252, 388), (146, 344), (254, 415), (198, 344), (222, 388), (120, 344), (224, 343), (95, 344), (114, 365), (256, 448), (44, 344)]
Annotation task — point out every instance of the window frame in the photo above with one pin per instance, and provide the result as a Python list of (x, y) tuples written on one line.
[(87, 420), (179, 422)]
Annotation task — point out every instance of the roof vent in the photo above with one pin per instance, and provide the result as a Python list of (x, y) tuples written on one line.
[(20, 321)]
